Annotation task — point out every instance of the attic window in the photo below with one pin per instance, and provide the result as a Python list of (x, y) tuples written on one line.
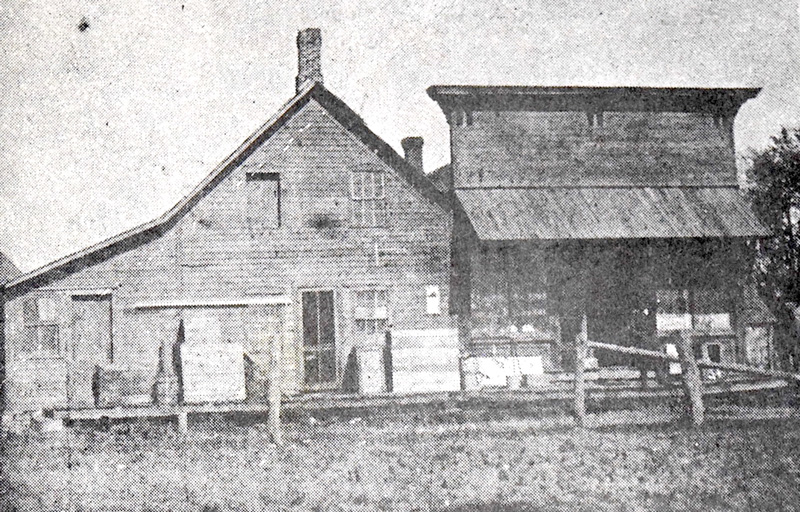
[(263, 201), (368, 194), (40, 327)]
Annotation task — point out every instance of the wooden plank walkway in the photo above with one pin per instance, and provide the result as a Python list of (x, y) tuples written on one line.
[(310, 402)]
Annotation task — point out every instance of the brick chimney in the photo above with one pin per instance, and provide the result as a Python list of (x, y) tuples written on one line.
[(309, 52), (412, 146)]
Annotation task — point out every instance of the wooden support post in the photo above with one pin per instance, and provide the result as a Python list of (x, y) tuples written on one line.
[(183, 422), (581, 341), (691, 377), (274, 393)]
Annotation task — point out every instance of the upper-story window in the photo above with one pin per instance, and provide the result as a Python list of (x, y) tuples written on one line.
[(40, 327), (263, 200), (368, 198)]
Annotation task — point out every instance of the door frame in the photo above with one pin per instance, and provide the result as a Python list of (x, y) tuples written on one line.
[(335, 382), (70, 342)]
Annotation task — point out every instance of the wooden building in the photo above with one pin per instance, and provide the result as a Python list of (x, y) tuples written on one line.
[(314, 236), (8, 271), (621, 204)]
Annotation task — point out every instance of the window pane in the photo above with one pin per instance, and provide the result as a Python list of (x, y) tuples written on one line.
[(371, 213), (380, 212), (30, 311), (327, 365), (48, 338), (364, 299), (379, 184), (358, 185), (311, 368), (310, 319), (326, 318), (714, 353), (369, 184)]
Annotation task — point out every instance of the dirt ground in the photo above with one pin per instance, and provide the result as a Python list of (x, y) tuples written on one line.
[(405, 462)]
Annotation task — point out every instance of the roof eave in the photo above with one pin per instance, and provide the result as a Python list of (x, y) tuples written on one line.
[(723, 100)]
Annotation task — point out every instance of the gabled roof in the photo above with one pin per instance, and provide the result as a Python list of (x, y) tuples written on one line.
[(595, 213), (8, 270), (153, 229)]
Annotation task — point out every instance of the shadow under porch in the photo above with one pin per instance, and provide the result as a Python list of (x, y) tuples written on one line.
[(520, 303)]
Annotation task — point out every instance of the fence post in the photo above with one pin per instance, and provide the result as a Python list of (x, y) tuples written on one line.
[(691, 377), (183, 422), (581, 341)]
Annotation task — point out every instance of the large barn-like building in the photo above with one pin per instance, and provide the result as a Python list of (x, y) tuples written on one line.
[(611, 213), (618, 205)]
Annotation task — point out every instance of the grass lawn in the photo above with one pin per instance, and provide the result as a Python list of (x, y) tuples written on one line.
[(403, 462)]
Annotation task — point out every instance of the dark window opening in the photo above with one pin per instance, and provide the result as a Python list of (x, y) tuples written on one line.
[(263, 201)]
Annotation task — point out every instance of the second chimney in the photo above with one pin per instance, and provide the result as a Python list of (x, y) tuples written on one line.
[(309, 53), (412, 146)]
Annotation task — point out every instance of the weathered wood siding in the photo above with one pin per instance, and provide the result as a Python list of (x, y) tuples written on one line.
[(220, 250), (495, 149)]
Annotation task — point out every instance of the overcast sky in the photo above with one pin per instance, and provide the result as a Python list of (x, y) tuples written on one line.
[(107, 127)]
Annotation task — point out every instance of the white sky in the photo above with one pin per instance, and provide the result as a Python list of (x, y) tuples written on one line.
[(106, 128)]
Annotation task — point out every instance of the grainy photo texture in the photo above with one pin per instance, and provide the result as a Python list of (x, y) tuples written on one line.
[(399, 256)]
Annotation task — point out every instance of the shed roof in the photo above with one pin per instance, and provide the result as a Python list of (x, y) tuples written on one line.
[(141, 234), (596, 213)]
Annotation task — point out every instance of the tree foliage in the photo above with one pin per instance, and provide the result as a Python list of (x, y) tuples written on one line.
[(775, 193)]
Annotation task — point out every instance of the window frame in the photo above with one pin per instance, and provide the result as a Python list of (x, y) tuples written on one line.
[(368, 208), (376, 322), (33, 328), (259, 177)]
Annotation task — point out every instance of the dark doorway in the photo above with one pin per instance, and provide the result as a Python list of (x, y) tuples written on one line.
[(91, 346), (319, 338)]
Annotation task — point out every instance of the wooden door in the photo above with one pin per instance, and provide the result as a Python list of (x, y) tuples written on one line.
[(265, 327), (91, 346), (319, 339)]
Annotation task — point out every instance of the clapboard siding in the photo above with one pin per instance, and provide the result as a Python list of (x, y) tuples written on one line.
[(562, 149), (214, 251)]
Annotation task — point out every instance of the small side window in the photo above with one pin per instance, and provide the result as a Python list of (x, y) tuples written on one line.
[(40, 327), (372, 311)]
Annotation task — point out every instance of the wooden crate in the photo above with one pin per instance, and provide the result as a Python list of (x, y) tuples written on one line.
[(425, 361), (212, 372)]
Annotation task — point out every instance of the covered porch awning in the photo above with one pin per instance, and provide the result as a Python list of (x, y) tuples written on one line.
[(597, 213)]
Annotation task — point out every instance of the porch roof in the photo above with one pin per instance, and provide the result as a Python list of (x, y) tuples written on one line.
[(595, 213)]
